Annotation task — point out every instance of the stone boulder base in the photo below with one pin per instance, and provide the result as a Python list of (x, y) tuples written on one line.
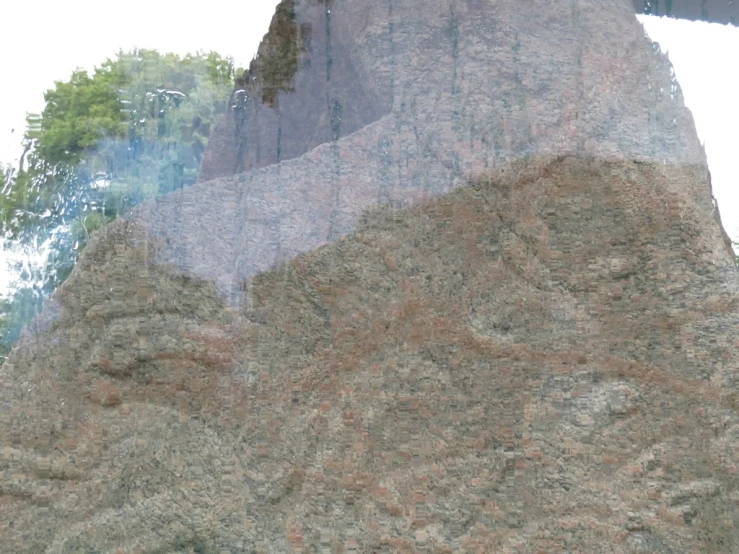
[(541, 361)]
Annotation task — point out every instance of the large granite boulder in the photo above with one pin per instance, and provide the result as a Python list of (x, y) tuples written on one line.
[(497, 313), (470, 87), (465, 82)]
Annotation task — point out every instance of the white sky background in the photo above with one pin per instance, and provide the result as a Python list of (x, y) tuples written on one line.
[(45, 40), (42, 41), (704, 57)]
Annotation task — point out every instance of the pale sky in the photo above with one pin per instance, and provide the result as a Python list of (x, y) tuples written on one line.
[(45, 40), (704, 57)]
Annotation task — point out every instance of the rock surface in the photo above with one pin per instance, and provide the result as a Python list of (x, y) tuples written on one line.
[(470, 87), (500, 315), (507, 80)]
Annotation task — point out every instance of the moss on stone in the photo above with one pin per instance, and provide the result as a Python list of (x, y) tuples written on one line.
[(277, 60)]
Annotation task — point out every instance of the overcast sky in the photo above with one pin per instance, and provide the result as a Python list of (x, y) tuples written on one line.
[(704, 57), (45, 40)]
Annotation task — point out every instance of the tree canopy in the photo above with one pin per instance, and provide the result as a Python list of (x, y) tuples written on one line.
[(133, 128)]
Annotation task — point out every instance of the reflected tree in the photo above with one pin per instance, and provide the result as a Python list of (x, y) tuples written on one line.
[(134, 128)]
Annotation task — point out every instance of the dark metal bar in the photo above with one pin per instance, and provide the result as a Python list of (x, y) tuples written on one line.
[(712, 11)]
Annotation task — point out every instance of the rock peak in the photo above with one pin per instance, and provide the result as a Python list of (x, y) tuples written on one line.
[(473, 61)]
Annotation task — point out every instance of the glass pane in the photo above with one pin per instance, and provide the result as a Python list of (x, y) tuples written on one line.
[(353, 276)]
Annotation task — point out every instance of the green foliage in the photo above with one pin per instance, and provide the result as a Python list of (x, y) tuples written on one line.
[(15, 312), (77, 114), (135, 128)]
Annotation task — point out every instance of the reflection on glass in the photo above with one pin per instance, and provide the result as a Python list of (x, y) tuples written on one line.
[(443, 277)]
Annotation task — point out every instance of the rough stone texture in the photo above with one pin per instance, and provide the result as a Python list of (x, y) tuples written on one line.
[(505, 77), (472, 87), (534, 350), (306, 50)]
